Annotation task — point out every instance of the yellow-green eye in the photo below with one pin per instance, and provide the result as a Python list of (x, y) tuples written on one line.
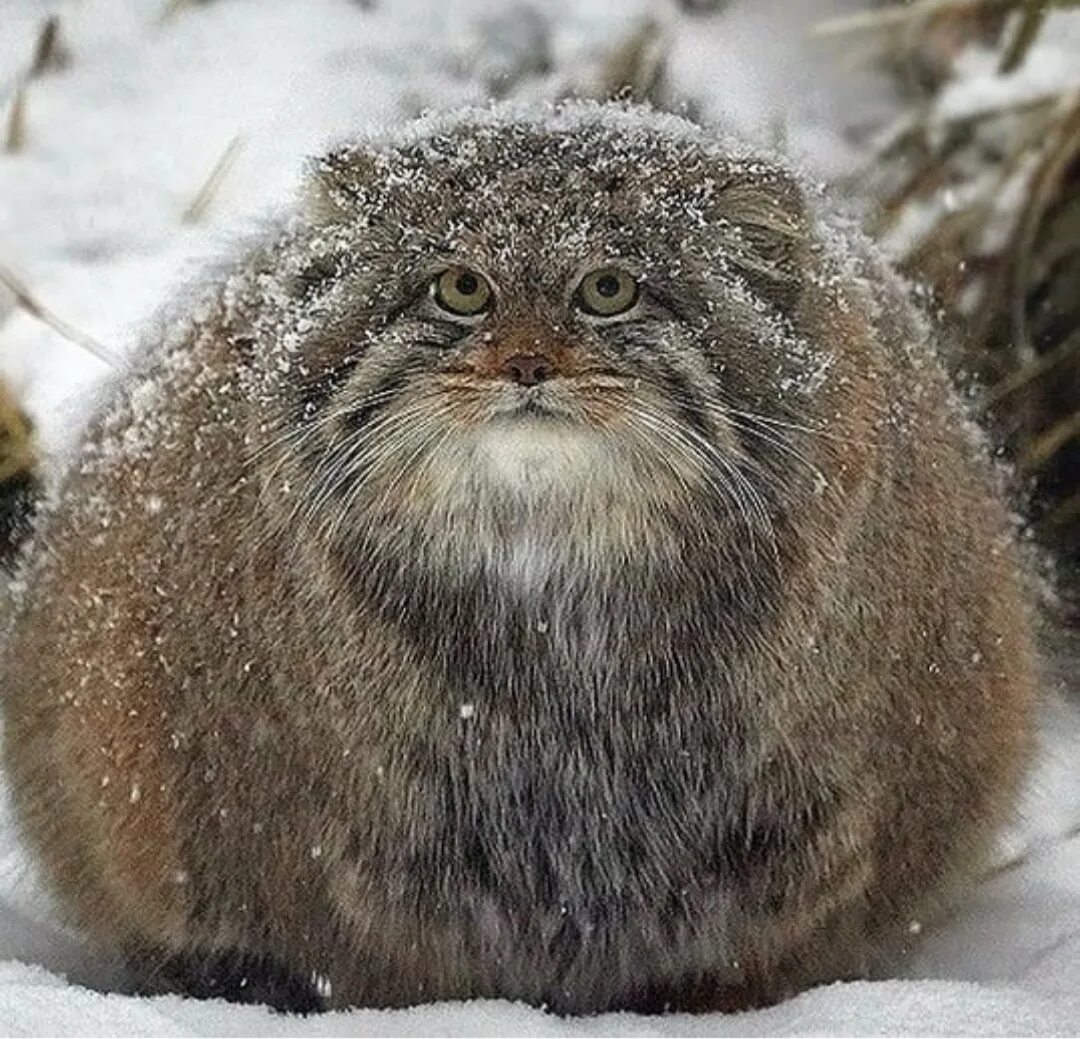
[(462, 291), (607, 292)]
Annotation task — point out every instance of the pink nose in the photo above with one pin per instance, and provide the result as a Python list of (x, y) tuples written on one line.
[(528, 369)]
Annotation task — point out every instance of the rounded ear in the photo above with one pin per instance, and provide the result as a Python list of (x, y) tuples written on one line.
[(338, 183), (762, 214)]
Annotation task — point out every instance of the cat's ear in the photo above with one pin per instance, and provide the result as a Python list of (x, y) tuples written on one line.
[(340, 183), (761, 214)]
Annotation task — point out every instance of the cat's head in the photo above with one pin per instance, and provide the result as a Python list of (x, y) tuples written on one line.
[(586, 316)]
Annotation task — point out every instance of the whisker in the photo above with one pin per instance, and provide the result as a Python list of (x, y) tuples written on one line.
[(748, 422), (343, 460), (427, 439), (366, 449), (293, 441), (749, 503)]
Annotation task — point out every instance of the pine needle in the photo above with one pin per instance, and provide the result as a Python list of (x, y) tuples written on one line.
[(25, 299)]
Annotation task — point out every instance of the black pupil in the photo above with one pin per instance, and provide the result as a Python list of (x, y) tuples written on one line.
[(607, 285), (467, 283)]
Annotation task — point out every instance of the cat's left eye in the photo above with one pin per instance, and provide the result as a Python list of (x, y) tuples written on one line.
[(607, 292)]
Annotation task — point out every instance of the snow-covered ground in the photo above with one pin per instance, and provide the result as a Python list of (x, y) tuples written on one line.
[(117, 146)]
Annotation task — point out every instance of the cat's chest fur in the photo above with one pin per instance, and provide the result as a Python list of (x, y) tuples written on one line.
[(560, 757), (567, 812), (569, 753)]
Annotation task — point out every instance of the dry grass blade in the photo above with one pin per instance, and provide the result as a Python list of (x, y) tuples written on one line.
[(1030, 23), (25, 300), (15, 121), (983, 207), (1039, 367), (173, 7), (1046, 185), (635, 69), (50, 54), (196, 210), (1024, 857), (1065, 515), (1037, 453), (893, 17)]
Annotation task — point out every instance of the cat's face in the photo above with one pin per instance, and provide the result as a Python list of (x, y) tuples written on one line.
[(512, 318)]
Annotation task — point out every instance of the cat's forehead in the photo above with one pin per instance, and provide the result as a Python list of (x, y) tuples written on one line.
[(556, 177), (529, 184), (527, 152), (533, 198)]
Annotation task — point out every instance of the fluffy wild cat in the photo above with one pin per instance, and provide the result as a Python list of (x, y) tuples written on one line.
[(549, 565)]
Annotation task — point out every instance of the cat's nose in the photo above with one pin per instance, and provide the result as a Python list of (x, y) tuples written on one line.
[(528, 369)]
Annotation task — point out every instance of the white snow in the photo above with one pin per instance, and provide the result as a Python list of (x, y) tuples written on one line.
[(759, 70), (1051, 69), (118, 145)]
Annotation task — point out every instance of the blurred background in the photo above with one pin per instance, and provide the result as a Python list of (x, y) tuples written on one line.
[(137, 137)]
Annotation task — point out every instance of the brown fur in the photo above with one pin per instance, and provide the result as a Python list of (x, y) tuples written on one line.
[(586, 730), (19, 480)]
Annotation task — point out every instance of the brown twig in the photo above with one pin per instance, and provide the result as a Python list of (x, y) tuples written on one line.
[(25, 300)]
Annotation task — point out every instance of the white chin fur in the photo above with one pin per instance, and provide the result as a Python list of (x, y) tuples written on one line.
[(538, 457)]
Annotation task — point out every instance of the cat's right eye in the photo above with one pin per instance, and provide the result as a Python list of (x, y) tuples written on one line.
[(462, 291)]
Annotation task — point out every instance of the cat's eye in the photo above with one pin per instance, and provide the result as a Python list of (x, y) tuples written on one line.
[(462, 291), (606, 292)]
